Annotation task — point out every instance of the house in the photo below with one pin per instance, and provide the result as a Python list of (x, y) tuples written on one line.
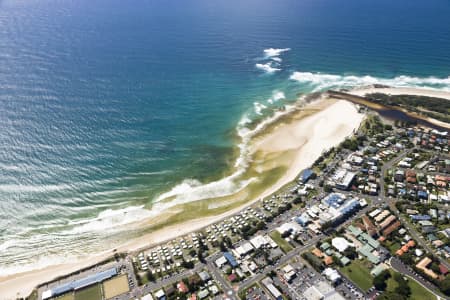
[(391, 228), (399, 176), (203, 294), (182, 288), (420, 217), (230, 259), (160, 295), (387, 221), (221, 261), (342, 179), (204, 276), (268, 284), (411, 176), (340, 244), (322, 291), (259, 242), (422, 265), (366, 251), (377, 270), (289, 273), (243, 249), (332, 275), (306, 175)]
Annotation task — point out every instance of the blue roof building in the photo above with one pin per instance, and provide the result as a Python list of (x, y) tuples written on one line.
[(447, 249), (303, 219), (420, 217), (231, 260), (306, 175), (422, 194), (80, 283)]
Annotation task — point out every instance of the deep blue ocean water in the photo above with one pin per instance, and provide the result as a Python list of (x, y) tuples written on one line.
[(105, 105)]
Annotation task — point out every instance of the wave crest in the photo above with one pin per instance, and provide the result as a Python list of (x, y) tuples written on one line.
[(267, 67), (273, 52), (320, 82)]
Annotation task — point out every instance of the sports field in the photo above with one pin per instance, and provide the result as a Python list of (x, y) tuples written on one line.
[(116, 286), (91, 293)]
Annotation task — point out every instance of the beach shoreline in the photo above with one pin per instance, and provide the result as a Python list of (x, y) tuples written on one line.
[(308, 136), (314, 133)]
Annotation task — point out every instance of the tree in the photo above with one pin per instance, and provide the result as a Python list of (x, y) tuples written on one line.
[(445, 285), (200, 256), (379, 281), (327, 188), (187, 264), (297, 200), (150, 276), (403, 287), (223, 247), (390, 296)]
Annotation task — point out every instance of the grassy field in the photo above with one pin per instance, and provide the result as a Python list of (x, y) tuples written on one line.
[(285, 246), (392, 246), (68, 296), (91, 293), (359, 274), (417, 291), (116, 286)]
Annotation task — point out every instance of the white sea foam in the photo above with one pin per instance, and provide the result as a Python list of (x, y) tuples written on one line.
[(267, 67), (320, 82), (276, 96), (276, 59), (19, 188), (259, 107), (185, 192), (110, 219), (274, 52)]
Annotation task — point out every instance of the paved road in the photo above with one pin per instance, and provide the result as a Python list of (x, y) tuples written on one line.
[(281, 261), (388, 165)]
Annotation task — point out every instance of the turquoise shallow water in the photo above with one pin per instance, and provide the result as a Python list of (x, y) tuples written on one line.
[(107, 105)]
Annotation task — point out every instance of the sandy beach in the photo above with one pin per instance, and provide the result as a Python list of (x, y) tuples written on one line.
[(402, 91), (305, 138)]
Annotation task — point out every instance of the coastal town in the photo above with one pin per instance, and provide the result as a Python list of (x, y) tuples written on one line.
[(370, 219)]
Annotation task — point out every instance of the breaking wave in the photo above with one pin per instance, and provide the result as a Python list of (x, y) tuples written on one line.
[(259, 108), (274, 52), (267, 67), (273, 55), (276, 96), (320, 82)]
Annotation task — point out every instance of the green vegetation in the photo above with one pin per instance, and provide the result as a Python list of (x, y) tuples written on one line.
[(392, 246), (444, 285), (359, 273), (91, 293), (373, 125), (432, 107), (285, 246), (399, 287), (314, 261), (69, 296), (33, 295), (380, 281)]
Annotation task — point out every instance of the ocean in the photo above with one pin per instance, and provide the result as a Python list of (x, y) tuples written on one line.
[(107, 107)]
